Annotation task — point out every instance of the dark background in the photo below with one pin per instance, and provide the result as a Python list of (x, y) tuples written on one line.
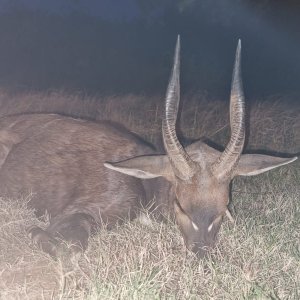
[(126, 46)]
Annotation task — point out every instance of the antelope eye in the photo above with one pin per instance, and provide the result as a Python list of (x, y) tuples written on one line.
[(177, 204)]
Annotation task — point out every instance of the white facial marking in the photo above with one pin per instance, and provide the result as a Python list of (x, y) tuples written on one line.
[(210, 227), (195, 226)]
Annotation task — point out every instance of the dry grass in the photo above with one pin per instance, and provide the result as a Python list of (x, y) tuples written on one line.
[(274, 122), (256, 258)]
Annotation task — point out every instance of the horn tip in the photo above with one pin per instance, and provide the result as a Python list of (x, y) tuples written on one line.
[(239, 46), (238, 53), (178, 42)]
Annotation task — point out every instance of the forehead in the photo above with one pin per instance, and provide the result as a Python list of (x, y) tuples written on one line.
[(203, 191), (203, 182)]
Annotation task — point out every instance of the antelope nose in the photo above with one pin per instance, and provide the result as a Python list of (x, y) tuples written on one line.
[(198, 249)]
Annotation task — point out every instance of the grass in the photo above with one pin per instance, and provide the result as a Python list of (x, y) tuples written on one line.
[(258, 257)]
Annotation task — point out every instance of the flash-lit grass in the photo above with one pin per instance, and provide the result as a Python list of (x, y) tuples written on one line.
[(258, 257), (273, 123)]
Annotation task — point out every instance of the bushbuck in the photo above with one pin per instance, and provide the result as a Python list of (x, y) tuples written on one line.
[(84, 174)]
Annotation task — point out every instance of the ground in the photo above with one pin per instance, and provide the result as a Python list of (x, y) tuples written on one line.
[(257, 257)]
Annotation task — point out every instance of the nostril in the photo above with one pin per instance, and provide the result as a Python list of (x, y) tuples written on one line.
[(199, 250)]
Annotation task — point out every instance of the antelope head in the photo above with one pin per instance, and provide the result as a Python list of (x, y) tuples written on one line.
[(199, 174)]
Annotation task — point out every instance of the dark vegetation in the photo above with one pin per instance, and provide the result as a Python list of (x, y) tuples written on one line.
[(109, 54)]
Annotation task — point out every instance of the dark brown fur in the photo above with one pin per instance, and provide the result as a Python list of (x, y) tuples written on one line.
[(60, 161)]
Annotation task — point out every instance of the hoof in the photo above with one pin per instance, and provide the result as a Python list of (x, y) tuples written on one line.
[(53, 246), (43, 239)]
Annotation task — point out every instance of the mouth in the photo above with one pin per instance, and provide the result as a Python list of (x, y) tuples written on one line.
[(199, 251), (201, 248)]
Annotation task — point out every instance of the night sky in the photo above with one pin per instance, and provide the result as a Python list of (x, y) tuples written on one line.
[(126, 46), (108, 9)]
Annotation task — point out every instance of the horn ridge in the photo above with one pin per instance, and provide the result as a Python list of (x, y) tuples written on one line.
[(182, 165), (228, 160)]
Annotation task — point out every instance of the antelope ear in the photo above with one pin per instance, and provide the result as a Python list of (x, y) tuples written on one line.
[(144, 167), (254, 164)]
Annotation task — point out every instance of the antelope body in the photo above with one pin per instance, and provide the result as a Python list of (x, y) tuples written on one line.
[(85, 174)]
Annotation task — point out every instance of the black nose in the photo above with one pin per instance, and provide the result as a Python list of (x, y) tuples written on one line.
[(198, 249)]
